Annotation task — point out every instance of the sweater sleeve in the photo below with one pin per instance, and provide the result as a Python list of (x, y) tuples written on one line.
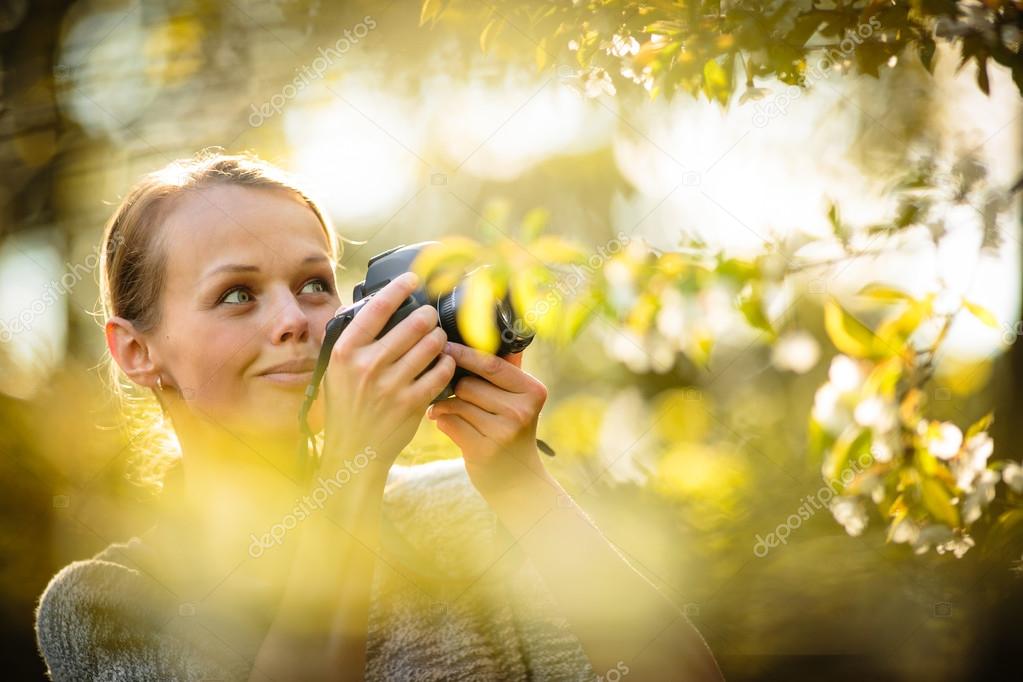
[(99, 620)]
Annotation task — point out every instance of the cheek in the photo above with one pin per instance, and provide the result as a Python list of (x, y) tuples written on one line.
[(212, 359), (318, 319)]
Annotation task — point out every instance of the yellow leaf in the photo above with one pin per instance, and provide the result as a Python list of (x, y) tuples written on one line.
[(882, 292), (490, 32), (574, 424), (441, 265), (896, 330), (578, 312), (700, 347), (682, 415), (982, 314), (534, 223), (850, 335), (552, 249), (541, 54), (476, 320), (430, 11)]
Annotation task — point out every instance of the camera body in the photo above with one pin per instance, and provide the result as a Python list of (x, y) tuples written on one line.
[(382, 269), (387, 266)]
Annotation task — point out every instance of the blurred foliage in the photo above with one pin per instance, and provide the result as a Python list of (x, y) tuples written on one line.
[(684, 436), (928, 481), (698, 47)]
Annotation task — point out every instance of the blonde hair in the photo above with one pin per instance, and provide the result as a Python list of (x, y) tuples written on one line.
[(132, 278)]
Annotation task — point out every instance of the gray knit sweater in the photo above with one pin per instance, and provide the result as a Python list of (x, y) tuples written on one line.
[(445, 608)]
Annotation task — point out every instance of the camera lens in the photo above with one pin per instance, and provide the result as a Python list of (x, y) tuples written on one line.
[(515, 335)]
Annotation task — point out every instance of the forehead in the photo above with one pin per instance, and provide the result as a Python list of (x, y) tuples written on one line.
[(258, 226)]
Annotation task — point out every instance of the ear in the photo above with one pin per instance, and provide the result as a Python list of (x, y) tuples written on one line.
[(131, 351)]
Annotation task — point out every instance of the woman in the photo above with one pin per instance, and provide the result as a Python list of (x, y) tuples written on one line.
[(218, 280)]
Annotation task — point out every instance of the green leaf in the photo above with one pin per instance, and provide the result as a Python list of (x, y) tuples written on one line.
[(982, 424), (835, 219), (982, 314), (740, 270), (751, 305), (849, 446), (982, 78), (925, 48), (850, 335), (716, 82), (937, 502)]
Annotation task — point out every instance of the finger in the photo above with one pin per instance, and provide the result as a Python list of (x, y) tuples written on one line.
[(433, 381), (419, 356), (514, 358), (408, 333), (497, 371), (371, 319), (457, 428), (481, 420), (482, 393)]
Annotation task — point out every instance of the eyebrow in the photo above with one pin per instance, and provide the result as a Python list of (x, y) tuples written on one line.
[(240, 267)]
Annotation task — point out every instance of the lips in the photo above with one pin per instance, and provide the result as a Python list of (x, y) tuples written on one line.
[(293, 373), (291, 367)]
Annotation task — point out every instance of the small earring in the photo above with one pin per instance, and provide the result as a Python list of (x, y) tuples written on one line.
[(159, 382)]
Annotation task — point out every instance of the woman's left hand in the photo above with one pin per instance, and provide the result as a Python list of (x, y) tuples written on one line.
[(493, 419)]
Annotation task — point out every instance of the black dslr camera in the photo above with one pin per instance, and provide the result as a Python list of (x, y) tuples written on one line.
[(382, 269)]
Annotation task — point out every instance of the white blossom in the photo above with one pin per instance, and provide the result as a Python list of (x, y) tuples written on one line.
[(597, 82), (980, 497), (959, 546), (905, 531), (797, 352), (845, 374), (946, 442), (622, 46), (850, 512), (827, 410), (1012, 474), (671, 318), (876, 413)]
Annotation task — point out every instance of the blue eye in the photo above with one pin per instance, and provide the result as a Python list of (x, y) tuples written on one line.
[(241, 291)]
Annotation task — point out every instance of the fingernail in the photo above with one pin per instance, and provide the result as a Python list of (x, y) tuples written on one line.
[(449, 348), (412, 279)]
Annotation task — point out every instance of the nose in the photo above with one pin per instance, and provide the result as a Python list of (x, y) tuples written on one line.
[(290, 323)]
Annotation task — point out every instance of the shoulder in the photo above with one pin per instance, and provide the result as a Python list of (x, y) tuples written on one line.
[(108, 618), (87, 601)]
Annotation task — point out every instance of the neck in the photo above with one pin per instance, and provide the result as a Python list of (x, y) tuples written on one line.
[(234, 487)]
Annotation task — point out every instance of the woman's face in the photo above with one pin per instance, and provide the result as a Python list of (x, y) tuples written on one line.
[(248, 287)]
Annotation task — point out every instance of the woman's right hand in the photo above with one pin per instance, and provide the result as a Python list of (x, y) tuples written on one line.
[(373, 398)]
